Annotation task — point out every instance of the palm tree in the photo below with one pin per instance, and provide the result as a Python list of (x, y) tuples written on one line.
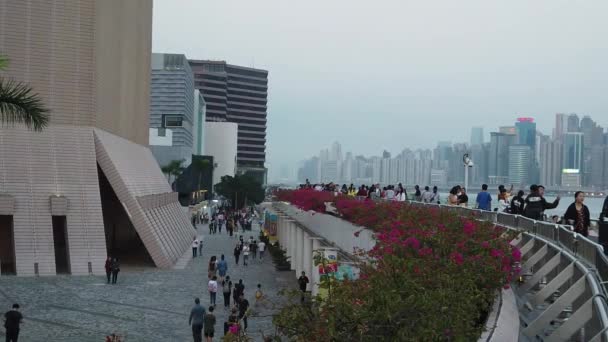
[(174, 168), (18, 103)]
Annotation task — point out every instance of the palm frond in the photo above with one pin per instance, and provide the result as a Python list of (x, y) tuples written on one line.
[(18, 104), (3, 62)]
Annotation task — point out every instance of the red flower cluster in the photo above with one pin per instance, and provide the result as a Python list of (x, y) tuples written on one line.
[(428, 239)]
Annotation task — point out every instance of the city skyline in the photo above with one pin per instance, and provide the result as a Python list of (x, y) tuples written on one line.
[(574, 155)]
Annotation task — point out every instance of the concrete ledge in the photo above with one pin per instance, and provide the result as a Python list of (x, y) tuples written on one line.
[(503, 321)]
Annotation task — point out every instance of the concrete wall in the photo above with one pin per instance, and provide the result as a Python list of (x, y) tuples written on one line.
[(123, 42), (35, 166), (221, 143)]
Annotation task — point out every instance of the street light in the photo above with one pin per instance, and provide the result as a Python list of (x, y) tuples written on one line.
[(468, 162)]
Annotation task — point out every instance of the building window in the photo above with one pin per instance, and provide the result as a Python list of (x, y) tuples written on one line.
[(173, 121)]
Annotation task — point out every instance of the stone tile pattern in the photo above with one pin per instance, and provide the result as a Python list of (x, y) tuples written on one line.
[(155, 212), (149, 305), (37, 165)]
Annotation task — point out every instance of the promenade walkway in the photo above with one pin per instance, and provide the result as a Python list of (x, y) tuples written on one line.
[(146, 304)]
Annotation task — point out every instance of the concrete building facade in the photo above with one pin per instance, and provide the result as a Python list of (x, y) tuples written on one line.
[(221, 144), (87, 186)]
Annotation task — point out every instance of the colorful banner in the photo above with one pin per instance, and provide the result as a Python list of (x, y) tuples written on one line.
[(271, 226), (345, 272)]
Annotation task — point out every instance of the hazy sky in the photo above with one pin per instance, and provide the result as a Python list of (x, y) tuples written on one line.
[(390, 74)]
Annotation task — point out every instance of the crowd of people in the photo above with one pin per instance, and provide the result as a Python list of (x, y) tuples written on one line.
[(202, 319), (531, 205)]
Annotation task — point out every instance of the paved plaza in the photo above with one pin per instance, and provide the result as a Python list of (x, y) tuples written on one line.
[(145, 305)]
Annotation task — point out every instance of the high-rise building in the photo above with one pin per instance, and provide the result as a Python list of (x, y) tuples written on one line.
[(477, 136), (526, 132), (573, 151), (561, 126), (520, 160), (573, 123), (598, 172), (511, 130), (237, 94), (498, 171), (171, 109), (198, 131), (87, 186), (549, 156)]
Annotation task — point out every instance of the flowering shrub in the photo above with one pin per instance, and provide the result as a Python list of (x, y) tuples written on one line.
[(434, 275)]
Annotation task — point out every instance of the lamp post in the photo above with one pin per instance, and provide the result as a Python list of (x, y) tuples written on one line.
[(468, 163)]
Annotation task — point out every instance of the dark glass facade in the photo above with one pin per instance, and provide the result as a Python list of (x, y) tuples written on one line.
[(237, 94)]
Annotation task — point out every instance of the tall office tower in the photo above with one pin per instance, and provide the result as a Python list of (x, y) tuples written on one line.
[(598, 172), (87, 186), (477, 136), (561, 126), (526, 135), (520, 160), (498, 171), (171, 109), (572, 159), (479, 173), (237, 94), (347, 168), (573, 123), (548, 157), (376, 169)]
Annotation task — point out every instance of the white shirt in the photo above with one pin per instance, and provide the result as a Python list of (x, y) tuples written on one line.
[(245, 250), (212, 286), (261, 246), (195, 243)]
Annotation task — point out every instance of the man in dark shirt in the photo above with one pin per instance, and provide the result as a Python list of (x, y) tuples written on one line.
[(243, 306), (197, 315), (12, 321), (302, 283), (518, 203), (536, 203)]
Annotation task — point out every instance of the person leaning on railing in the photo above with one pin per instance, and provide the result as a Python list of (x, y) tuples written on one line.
[(578, 215)]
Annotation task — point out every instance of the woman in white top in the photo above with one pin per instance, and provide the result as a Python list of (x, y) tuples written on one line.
[(212, 287), (245, 254)]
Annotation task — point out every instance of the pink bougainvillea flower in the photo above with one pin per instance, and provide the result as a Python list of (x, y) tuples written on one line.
[(516, 254), (457, 258), (412, 242), (234, 329), (485, 244), (469, 228), (496, 253)]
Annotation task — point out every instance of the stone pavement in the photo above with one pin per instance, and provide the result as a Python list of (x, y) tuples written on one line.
[(146, 305)]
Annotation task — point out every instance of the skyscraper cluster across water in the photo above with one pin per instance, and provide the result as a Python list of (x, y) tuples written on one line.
[(575, 155)]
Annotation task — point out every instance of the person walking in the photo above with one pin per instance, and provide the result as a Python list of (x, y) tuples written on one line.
[(108, 268), (212, 287), (578, 215), (212, 268), (12, 323), (226, 290), (200, 246), (536, 203), (517, 204), (237, 253), (230, 228), (463, 199), (243, 310), (238, 290), (196, 320), (209, 324), (115, 269), (302, 283), (261, 248), (435, 198), (233, 320), (245, 254), (253, 247), (194, 247), (484, 199), (222, 268)]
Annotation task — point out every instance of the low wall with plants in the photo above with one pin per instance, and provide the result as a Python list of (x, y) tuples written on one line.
[(433, 275)]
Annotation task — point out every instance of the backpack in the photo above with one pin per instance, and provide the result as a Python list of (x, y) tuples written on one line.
[(226, 287)]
